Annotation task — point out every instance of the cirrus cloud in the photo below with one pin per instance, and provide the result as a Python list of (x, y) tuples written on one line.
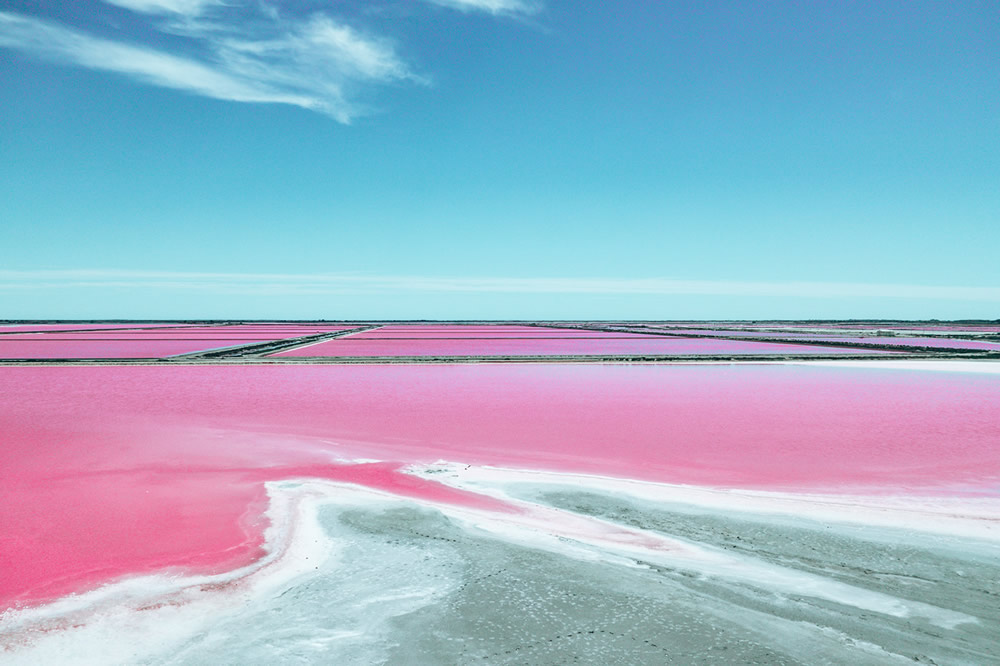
[(340, 283), (317, 62), (183, 7), (258, 51), (491, 6)]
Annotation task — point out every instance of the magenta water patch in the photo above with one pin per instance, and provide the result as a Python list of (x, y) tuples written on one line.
[(653, 345), (107, 471), (970, 328), (42, 328), (887, 340), (460, 327), (937, 343), (239, 330), (72, 349), (819, 326), (129, 336), (541, 333)]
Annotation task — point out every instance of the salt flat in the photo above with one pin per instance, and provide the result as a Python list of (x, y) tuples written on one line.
[(804, 512)]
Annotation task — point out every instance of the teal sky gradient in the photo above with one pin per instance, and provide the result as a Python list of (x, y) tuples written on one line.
[(499, 159)]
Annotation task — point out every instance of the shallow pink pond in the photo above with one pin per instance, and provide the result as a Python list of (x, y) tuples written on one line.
[(972, 328), (900, 341), (72, 349), (457, 327), (942, 343), (544, 333), (112, 470), (41, 328), (350, 346), (239, 330), (133, 336)]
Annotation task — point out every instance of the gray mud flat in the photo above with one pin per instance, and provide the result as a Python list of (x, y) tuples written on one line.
[(409, 586)]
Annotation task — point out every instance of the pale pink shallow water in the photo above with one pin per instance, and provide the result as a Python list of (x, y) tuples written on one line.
[(379, 334), (913, 326), (72, 349), (238, 330), (108, 471), (42, 328), (131, 336), (937, 343), (390, 328), (350, 346), (972, 328), (897, 341)]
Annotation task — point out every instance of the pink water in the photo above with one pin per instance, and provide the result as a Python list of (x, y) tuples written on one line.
[(131, 335), (41, 328), (78, 349), (358, 347), (390, 328), (448, 335), (240, 330), (545, 333), (112, 470), (938, 343), (901, 341), (971, 328)]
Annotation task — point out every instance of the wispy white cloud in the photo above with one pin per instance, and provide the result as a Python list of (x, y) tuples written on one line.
[(182, 7), (491, 6), (318, 284), (315, 63), (62, 44)]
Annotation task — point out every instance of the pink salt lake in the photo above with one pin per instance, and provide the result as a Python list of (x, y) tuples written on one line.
[(637, 344), (110, 348), (111, 471)]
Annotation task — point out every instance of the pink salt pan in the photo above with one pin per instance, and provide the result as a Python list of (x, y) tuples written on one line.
[(42, 328), (892, 341), (85, 349), (109, 471), (379, 334), (135, 337), (653, 345)]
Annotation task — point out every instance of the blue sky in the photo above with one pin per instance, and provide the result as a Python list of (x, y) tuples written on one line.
[(499, 159)]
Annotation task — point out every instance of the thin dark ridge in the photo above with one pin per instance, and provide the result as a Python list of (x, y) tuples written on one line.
[(269, 347)]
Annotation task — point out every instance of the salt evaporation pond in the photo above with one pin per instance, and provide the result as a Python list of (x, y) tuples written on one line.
[(900, 341), (115, 348), (349, 346), (538, 333), (894, 340), (136, 337), (43, 328), (572, 496)]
